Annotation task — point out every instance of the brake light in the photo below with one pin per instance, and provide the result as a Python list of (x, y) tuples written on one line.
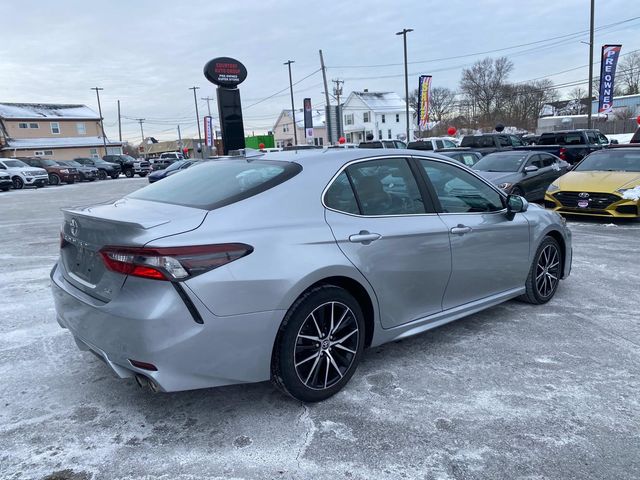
[(171, 263), (563, 153)]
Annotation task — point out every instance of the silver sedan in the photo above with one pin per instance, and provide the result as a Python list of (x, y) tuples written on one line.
[(287, 266)]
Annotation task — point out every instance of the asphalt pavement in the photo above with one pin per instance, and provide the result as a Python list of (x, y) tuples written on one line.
[(514, 392)]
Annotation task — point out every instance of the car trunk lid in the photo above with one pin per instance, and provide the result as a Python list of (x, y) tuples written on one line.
[(127, 222)]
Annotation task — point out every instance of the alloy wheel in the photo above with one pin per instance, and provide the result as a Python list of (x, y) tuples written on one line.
[(17, 183), (547, 271), (326, 345)]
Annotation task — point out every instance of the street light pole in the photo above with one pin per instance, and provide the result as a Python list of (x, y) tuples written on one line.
[(293, 108), (589, 121), (195, 99), (406, 74), (104, 139)]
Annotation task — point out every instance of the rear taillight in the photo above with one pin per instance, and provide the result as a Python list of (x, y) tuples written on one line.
[(563, 153), (171, 263)]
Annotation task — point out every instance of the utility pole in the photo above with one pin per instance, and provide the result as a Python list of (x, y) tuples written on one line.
[(337, 91), (119, 123), (140, 120), (326, 98), (104, 138), (589, 121), (208, 99), (179, 139), (195, 100), (406, 75), (293, 108)]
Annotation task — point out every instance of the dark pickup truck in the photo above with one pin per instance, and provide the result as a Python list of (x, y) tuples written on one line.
[(571, 145), (491, 142)]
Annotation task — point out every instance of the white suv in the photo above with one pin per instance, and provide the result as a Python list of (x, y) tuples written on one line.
[(22, 175)]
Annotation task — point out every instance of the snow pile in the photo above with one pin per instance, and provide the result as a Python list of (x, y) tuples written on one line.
[(632, 194), (26, 111)]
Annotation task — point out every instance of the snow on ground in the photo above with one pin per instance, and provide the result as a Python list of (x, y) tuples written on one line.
[(517, 391)]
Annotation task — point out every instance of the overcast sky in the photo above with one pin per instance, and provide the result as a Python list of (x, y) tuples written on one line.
[(148, 53)]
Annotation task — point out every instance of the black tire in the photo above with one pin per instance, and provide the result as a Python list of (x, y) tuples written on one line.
[(517, 190), (544, 275), (70, 182), (102, 175), (142, 175), (18, 184), (129, 173), (323, 357), (54, 179), (115, 175), (92, 179)]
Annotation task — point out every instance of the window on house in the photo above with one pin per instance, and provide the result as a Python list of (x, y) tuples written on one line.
[(55, 128), (379, 134), (349, 138), (34, 125), (365, 117), (23, 125), (389, 134), (81, 128), (318, 142), (48, 153), (285, 128), (94, 153), (39, 153), (348, 119), (397, 118), (383, 119)]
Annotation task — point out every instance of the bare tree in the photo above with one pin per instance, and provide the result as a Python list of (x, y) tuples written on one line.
[(629, 74), (524, 101), (578, 93), (442, 101), (483, 84)]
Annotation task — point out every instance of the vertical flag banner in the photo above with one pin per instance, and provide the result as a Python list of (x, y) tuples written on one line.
[(610, 54), (208, 131), (308, 118), (424, 94)]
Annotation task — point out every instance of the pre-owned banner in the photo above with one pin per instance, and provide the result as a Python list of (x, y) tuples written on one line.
[(424, 94), (610, 54), (208, 131), (308, 118)]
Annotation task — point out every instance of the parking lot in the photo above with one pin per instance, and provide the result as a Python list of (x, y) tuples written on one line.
[(514, 392)]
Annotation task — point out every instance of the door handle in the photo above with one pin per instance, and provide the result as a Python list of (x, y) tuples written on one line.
[(364, 237), (460, 229)]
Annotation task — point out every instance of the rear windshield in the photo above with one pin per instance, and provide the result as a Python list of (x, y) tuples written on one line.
[(217, 183), (478, 141), (425, 145), (501, 162), (573, 138)]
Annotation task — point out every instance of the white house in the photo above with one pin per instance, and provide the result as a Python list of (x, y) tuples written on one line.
[(283, 129), (382, 114)]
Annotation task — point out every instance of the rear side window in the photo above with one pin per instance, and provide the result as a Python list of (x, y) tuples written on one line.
[(478, 141), (571, 139), (340, 195), (547, 139), (217, 183), (386, 187)]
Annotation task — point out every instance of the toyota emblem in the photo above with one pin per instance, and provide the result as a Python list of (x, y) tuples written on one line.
[(583, 195), (74, 227)]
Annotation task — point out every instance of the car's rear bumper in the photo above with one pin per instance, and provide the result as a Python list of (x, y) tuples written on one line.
[(147, 321)]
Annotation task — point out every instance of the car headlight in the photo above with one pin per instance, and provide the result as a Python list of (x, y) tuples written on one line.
[(630, 193), (64, 170), (505, 186), (553, 187), (27, 174)]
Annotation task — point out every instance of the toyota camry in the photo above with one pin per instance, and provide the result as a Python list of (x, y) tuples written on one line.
[(288, 266)]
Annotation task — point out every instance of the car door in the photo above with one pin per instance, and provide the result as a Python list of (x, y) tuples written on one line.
[(490, 252), (384, 224), (533, 182)]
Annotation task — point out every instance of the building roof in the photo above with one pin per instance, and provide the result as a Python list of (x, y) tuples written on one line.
[(48, 111), (318, 117), (381, 101), (68, 142)]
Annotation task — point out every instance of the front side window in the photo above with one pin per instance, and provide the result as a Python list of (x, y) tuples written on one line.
[(386, 187), (535, 161), (449, 144), (515, 141), (603, 139), (55, 128), (504, 141), (459, 191)]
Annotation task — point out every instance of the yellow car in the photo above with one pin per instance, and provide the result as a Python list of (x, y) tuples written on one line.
[(604, 184)]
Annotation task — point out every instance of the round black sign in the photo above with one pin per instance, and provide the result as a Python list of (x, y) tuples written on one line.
[(225, 72)]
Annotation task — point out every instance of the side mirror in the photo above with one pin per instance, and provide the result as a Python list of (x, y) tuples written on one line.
[(516, 204), (530, 169)]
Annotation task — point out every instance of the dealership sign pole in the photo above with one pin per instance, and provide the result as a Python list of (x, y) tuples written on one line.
[(227, 73), (424, 95), (609, 60)]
